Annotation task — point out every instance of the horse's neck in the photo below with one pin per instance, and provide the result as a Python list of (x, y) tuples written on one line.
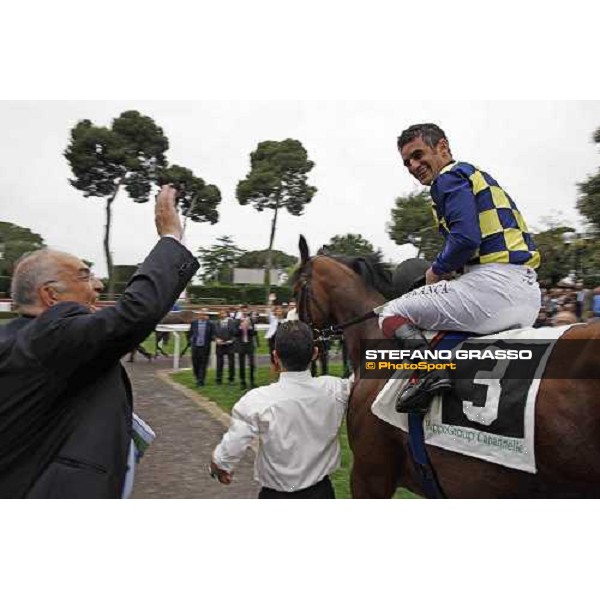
[(349, 302), (350, 306)]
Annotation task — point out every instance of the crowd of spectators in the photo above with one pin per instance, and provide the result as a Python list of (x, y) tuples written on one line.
[(568, 304)]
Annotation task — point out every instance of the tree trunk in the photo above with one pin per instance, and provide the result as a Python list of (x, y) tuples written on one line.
[(270, 254), (107, 254)]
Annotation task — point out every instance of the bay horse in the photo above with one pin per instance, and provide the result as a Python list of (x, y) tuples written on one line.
[(331, 290)]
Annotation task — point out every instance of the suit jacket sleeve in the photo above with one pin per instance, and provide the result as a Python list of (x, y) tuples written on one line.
[(191, 334), (68, 336)]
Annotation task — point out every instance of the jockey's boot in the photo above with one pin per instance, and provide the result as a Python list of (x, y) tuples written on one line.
[(419, 391)]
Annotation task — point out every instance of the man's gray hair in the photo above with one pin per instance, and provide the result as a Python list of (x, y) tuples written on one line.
[(31, 272)]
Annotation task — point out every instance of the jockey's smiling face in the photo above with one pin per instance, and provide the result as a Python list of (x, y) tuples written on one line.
[(423, 162)]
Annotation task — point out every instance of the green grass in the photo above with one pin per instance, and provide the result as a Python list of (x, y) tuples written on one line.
[(263, 345), (226, 396)]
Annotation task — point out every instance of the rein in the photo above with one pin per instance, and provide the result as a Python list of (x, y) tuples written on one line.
[(332, 330)]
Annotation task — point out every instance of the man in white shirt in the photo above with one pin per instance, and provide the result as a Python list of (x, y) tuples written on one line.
[(292, 313), (276, 317), (296, 421)]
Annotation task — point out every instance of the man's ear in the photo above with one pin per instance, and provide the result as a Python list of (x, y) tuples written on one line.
[(315, 353), (276, 360), (48, 295), (443, 147)]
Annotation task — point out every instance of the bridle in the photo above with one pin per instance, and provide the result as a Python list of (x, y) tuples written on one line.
[(306, 298)]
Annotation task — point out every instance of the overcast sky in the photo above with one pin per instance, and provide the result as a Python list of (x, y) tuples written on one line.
[(538, 151)]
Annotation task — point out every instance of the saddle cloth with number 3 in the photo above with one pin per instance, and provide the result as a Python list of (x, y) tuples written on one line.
[(487, 415)]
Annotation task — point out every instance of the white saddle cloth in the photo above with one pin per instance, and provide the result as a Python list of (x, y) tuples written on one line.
[(514, 452)]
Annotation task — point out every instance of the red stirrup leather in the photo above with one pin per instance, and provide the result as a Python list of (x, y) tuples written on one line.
[(390, 324)]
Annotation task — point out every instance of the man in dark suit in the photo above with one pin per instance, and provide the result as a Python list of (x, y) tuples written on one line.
[(224, 339), (246, 340), (201, 335), (65, 399)]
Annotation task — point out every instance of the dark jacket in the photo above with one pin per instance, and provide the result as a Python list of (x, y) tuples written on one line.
[(65, 400), (226, 333), (252, 342), (209, 334)]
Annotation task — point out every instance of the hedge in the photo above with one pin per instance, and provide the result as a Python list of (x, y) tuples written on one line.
[(238, 294)]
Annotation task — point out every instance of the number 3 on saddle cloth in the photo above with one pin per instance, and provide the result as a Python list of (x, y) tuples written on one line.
[(489, 413)]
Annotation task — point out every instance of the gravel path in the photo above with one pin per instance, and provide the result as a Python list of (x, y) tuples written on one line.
[(187, 428)]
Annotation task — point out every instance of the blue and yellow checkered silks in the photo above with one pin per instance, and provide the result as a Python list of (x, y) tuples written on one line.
[(502, 229)]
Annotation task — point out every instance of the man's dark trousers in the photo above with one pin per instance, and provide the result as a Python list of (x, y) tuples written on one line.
[(246, 349), (322, 490), (225, 350), (200, 356)]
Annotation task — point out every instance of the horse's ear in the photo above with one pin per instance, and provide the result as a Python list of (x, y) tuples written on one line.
[(304, 253)]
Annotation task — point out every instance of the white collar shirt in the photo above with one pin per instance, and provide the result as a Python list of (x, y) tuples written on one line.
[(273, 324), (292, 315), (296, 421)]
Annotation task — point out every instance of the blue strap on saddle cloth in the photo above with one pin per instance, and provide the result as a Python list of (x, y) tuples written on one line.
[(416, 436)]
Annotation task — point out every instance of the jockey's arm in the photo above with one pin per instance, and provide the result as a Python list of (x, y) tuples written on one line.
[(457, 205)]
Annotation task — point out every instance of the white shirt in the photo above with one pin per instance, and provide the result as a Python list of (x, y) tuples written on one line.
[(273, 323), (296, 421), (292, 315)]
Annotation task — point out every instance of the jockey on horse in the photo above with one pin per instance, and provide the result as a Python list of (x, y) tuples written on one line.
[(485, 237)]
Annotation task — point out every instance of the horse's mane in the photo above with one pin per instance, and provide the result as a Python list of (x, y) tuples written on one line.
[(372, 271)]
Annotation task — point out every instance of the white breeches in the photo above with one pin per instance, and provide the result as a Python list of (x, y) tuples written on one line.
[(486, 299)]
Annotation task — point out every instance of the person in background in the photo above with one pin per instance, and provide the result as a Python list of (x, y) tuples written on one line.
[(142, 351), (580, 300), (323, 347), (345, 359), (596, 304), (542, 319), (292, 313), (245, 343), (552, 303), (201, 334), (276, 317), (224, 340), (161, 340), (564, 317), (296, 422)]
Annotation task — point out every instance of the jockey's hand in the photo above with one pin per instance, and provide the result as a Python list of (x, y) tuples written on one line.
[(431, 277), (224, 477)]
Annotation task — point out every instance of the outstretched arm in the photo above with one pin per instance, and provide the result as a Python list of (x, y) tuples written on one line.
[(68, 336), (241, 433)]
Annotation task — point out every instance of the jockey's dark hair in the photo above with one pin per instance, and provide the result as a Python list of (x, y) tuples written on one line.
[(429, 132), (294, 345)]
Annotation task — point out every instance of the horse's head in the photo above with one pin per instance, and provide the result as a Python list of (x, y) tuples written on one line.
[(312, 301), (332, 290)]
